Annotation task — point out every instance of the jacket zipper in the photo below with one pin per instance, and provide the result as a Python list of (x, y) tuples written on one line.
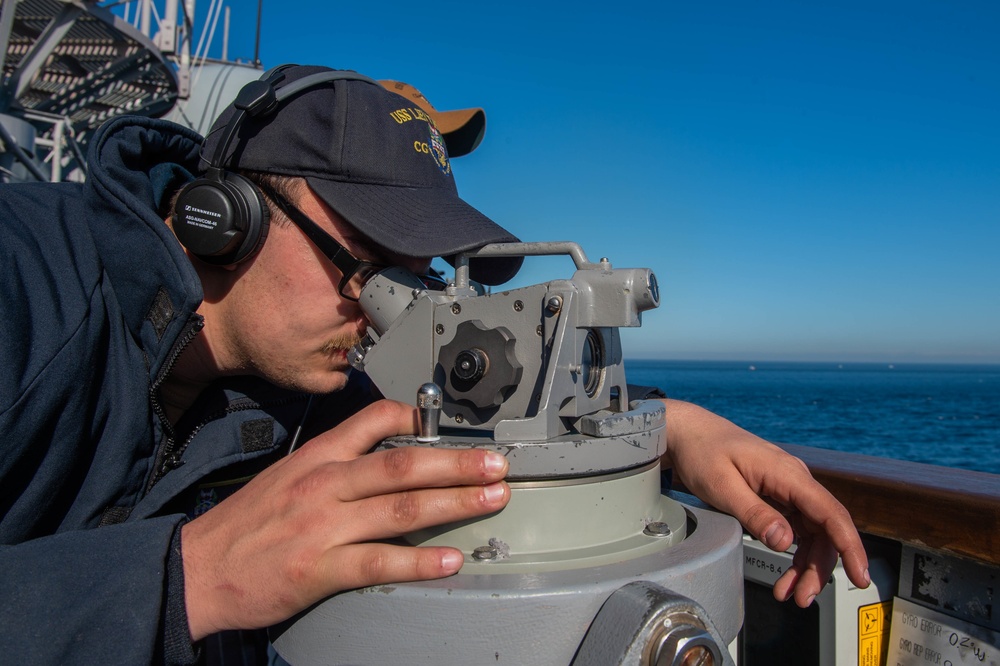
[(164, 460), (174, 460), (172, 453)]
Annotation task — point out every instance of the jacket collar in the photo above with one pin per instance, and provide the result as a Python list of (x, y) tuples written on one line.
[(135, 165)]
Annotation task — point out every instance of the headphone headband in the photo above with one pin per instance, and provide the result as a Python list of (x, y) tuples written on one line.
[(222, 218), (259, 98)]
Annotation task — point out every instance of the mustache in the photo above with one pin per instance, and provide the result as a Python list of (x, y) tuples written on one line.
[(341, 342)]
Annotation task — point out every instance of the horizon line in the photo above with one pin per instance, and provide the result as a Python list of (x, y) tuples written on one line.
[(751, 362)]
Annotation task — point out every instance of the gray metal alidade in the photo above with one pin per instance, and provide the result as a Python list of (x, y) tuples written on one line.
[(589, 563)]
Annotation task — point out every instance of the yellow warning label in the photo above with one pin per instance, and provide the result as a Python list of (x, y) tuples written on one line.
[(873, 633)]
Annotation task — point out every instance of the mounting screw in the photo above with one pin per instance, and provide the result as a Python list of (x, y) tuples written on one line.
[(657, 529), (456, 308), (439, 329), (483, 553), (518, 306)]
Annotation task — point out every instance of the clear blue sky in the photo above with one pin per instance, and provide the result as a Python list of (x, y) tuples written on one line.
[(809, 182)]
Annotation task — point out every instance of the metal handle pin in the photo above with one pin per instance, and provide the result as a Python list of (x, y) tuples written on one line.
[(429, 406)]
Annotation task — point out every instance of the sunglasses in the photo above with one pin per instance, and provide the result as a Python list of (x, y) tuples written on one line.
[(354, 272)]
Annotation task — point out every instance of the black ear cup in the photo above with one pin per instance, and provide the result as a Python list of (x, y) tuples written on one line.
[(221, 219)]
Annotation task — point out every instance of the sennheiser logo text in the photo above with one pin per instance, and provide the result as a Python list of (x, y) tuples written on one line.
[(195, 221)]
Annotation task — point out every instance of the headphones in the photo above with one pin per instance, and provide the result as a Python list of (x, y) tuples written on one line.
[(222, 217)]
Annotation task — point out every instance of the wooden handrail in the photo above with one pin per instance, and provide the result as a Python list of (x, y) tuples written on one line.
[(942, 508)]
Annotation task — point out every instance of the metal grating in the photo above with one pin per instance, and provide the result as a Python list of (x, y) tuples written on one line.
[(77, 60)]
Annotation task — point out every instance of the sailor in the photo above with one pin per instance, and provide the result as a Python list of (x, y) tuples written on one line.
[(153, 388)]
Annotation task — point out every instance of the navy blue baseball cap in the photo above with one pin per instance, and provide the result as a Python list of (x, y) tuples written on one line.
[(379, 162)]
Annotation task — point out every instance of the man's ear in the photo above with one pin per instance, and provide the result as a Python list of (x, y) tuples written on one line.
[(167, 181)]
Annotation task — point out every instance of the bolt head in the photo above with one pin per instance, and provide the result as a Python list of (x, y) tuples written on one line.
[(471, 365), (483, 553), (657, 529), (699, 655)]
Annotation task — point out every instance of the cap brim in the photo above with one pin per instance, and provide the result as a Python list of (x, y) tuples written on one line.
[(463, 129), (420, 222)]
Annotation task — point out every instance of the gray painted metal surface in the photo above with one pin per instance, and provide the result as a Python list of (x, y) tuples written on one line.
[(537, 374), (567, 455), (570, 524), (519, 618), (552, 351)]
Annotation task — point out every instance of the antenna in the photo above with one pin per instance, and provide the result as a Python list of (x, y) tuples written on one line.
[(256, 46)]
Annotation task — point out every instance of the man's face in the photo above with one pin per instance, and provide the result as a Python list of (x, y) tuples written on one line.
[(284, 317)]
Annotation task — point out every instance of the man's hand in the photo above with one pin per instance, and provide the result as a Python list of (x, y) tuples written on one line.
[(733, 470), (309, 525)]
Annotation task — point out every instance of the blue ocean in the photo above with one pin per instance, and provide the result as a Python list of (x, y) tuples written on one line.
[(939, 414)]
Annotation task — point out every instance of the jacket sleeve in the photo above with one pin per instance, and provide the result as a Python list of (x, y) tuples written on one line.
[(113, 594)]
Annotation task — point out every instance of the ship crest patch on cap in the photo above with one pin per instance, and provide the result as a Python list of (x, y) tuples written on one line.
[(438, 150)]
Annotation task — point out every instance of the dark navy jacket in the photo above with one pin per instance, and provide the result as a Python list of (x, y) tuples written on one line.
[(96, 301)]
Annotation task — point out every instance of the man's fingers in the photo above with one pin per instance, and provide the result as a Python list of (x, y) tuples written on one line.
[(841, 536), (401, 513), (362, 565), (823, 525), (821, 512), (763, 521), (838, 535), (419, 467), (767, 524), (356, 435), (856, 565), (784, 587), (818, 512), (812, 565)]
